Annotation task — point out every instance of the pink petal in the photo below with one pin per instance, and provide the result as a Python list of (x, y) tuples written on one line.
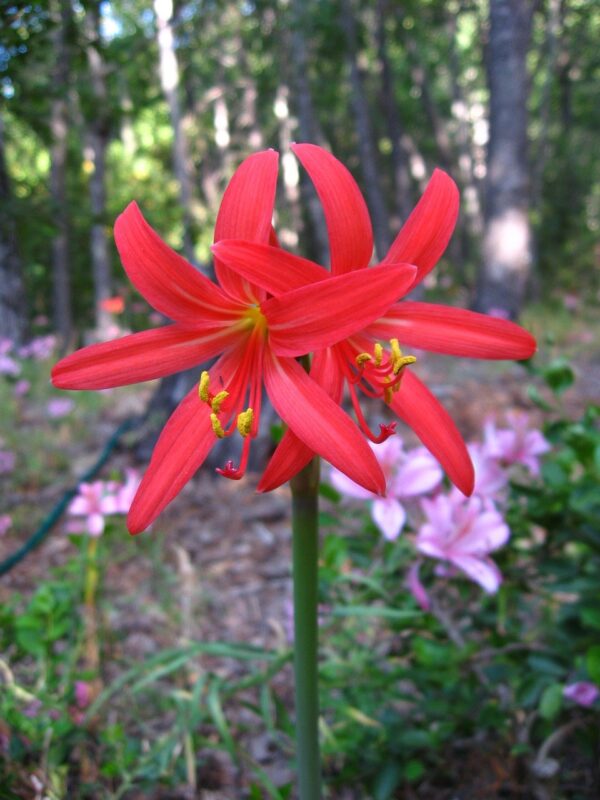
[(346, 213), (168, 282), (389, 516), (482, 571), (416, 406), (320, 423), (95, 524), (322, 314), (416, 588), (420, 474), (245, 213), (454, 331), (271, 268), (427, 231), (140, 357), (346, 486)]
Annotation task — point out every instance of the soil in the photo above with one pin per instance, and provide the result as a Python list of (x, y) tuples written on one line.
[(227, 552)]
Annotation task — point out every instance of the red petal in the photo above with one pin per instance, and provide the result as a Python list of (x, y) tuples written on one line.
[(184, 443), (454, 331), (245, 213), (427, 231), (271, 268), (292, 454), (416, 406), (320, 423), (346, 213), (167, 281), (316, 316), (139, 357)]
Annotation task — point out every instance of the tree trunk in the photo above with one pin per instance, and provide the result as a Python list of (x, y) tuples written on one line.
[(308, 125), (13, 316), (61, 279), (402, 183), (98, 128), (169, 80), (507, 237), (366, 139)]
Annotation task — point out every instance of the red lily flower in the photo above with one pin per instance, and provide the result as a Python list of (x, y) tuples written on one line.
[(238, 320), (360, 361)]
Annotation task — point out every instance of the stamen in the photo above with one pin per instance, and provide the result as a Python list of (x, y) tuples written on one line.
[(203, 386), (244, 422), (378, 351), (217, 401), (361, 359), (216, 426)]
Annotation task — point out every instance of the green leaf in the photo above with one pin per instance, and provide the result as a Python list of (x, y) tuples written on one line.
[(387, 781), (414, 770), (559, 375), (551, 701), (592, 663), (375, 611)]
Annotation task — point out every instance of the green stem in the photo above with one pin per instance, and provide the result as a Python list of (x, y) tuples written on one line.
[(305, 545)]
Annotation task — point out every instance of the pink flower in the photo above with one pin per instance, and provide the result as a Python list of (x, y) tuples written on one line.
[(7, 461), (5, 523), (59, 407), (8, 366), (126, 492), (39, 348), (93, 503), (407, 474), (21, 388), (518, 444), (463, 532), (416, 588), (490, 477), (83, 694), (583, 693)]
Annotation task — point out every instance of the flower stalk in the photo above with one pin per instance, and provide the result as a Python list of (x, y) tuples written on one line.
[(305, 547)]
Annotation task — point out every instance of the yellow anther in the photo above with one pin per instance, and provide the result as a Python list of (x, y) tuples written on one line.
[(216, 426), (395, 348), (361, 359), (244, 422), (217, 401), (203, 386), (378, 351), (403, 362), (388, 392)]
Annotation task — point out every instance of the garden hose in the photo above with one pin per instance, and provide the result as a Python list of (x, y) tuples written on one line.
[(48, 523)]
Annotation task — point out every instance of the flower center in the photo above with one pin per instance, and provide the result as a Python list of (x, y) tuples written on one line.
[(255, 319)]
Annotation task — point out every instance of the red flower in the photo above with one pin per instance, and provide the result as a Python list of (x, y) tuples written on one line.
[(360, 361), (239, 320)]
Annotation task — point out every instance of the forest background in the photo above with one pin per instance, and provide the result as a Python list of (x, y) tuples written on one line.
[(105, 102)]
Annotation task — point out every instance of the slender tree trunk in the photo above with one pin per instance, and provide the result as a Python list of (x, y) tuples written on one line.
[(308, 125), (507, 238), (402, 183), (289, 237), (61, 279), (13, 314), (366, 139), (98, 128), (169, 79)]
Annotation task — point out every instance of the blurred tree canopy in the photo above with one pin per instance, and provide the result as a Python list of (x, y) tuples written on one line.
[(107, 102)]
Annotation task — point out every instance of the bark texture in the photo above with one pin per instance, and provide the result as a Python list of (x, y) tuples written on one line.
[(61, 278), (97, 138), (507, 257), (13, 317), (169, 80), (366, 138)]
